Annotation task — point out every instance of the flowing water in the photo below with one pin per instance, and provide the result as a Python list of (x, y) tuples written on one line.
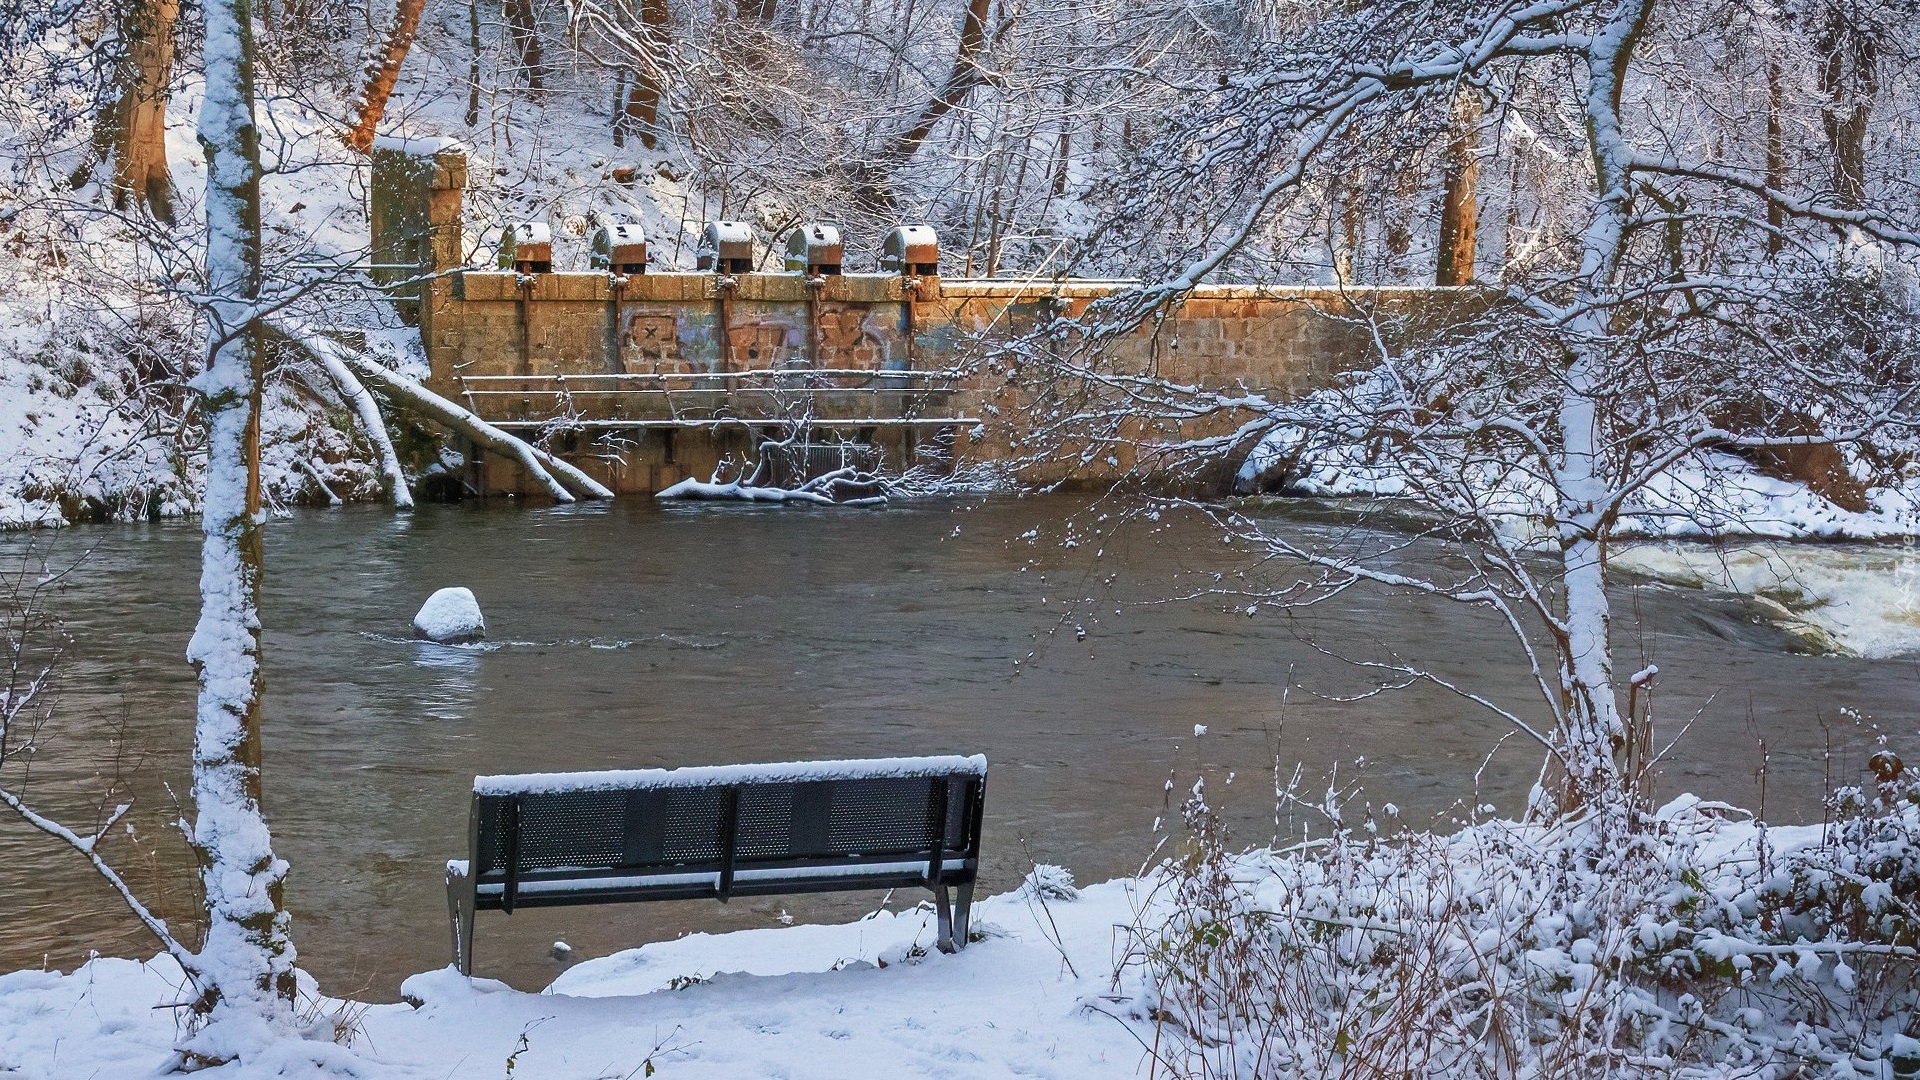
[(633, 634)]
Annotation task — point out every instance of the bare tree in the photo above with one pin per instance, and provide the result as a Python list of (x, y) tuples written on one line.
[(966, 74), (383, 71), (130, 133), (1545, 418), (523, 30), (1459, 205), (1847, 47)]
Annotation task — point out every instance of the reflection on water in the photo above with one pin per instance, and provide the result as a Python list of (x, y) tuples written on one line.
[(633, 635), (456, 671)]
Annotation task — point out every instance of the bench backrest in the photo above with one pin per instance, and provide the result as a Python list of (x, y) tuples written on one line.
[(721, 821)]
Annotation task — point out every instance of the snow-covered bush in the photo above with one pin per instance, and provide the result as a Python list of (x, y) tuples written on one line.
[(1694, 943)]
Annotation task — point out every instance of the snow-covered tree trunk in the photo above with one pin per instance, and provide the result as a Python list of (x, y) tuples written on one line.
[(1593, 727), (246, 964)]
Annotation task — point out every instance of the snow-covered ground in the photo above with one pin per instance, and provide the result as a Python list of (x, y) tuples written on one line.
[(868, 998), (1849, 597), (92, 337), (1333, 955), (1710, 495)]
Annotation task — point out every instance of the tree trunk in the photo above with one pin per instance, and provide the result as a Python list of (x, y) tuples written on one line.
[(1849, 80), (247, 960), (1591, 739), (1346, 249), (560, 479), (642, 106), (524, 33), (327, 353), (641, 111), (473, 63), (637, 107), (620, 107), (1459, 204), (383, 71), (133, 132), (961, 80), (1776, 154)]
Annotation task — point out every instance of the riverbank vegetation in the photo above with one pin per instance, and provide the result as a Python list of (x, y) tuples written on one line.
[(1700, 943)]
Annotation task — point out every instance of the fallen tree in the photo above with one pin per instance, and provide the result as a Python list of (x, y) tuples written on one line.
[(564, 482), (327, 354)]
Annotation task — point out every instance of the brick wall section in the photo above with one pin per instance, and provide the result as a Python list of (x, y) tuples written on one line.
[(605, 350)]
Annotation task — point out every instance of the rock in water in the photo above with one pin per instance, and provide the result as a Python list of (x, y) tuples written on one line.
[(451, 617)]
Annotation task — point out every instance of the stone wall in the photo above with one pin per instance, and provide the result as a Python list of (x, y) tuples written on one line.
[(647, 379)]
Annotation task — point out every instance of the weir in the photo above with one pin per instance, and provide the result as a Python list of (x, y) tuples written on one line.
[(644, 378)]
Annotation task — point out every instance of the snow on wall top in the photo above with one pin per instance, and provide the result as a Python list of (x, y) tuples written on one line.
[(712, 775), (422, 146)]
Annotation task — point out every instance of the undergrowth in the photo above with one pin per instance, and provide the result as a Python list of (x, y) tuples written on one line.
[(1691, 942)]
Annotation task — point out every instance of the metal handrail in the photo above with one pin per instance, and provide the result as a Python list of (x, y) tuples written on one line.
[(565, 391), (757, 372)]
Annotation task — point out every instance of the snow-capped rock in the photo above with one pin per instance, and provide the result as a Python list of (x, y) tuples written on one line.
[(451, 617)]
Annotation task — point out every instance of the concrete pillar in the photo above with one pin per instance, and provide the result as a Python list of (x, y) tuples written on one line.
[(414, 214)]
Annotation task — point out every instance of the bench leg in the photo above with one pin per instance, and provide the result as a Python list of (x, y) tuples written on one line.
[(460, 917), (945, 910), (962, 913)]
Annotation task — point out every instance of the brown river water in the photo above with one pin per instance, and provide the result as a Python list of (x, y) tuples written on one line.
[(632, 634)]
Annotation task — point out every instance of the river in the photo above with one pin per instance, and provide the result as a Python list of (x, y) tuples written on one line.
[(632, 634)]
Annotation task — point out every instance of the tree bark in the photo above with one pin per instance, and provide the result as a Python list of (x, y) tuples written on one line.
[(246, 964), (473, 63), (1776, 155), (637, 102), (966, 74), (620, 107), (641, 109), (1849, 80), (1459, 203), (133, 132), (524, 33), (383, 71)]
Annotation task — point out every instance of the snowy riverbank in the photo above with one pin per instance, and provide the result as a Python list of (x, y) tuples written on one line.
[(868, 998), (1858, 599), (1695, 948)]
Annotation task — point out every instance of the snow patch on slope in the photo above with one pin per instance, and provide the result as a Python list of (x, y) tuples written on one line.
[(1851, 598), (1709, 495)]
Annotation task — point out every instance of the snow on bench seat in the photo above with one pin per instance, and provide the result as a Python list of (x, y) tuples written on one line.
[(717, 775)]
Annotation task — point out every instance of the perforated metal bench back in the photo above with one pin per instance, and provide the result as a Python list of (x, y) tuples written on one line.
[(755, 828)]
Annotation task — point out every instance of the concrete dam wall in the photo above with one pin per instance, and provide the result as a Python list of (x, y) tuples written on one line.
[(643, 378)]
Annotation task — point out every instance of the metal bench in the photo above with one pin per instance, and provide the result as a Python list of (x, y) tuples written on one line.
[(550, 839)]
